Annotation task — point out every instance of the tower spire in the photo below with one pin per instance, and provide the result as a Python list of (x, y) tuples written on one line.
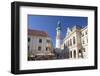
[(58, 25)]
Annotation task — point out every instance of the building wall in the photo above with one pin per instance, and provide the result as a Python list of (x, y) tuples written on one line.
[(76, 49), (84, 41), (34, 45)]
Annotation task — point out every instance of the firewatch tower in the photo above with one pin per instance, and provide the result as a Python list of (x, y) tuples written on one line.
[(58, 34)]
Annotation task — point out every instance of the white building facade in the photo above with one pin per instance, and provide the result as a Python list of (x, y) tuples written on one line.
[(84, 41), (39, 44), (76, 42)]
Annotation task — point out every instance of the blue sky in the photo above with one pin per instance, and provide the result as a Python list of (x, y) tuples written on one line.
[(49, 24)]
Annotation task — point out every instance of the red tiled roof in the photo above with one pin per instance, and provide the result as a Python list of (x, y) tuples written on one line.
[(37, 33)]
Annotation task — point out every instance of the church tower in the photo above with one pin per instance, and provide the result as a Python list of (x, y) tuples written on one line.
[(58, 34)]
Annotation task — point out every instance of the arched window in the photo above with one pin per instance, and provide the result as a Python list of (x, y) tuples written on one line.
[(70, 42), (74, 53), (80, 53), (73, 40), (70, 54)]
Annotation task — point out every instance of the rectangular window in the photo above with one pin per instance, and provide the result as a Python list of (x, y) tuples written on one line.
[(86, 32), (40, 40), (28, 39), (73, 40), (87, 40), (83, 42), (28, 47), (82, 34), (46, 48), (70, 42), (48, 41), (84, 49), (39, 48)]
